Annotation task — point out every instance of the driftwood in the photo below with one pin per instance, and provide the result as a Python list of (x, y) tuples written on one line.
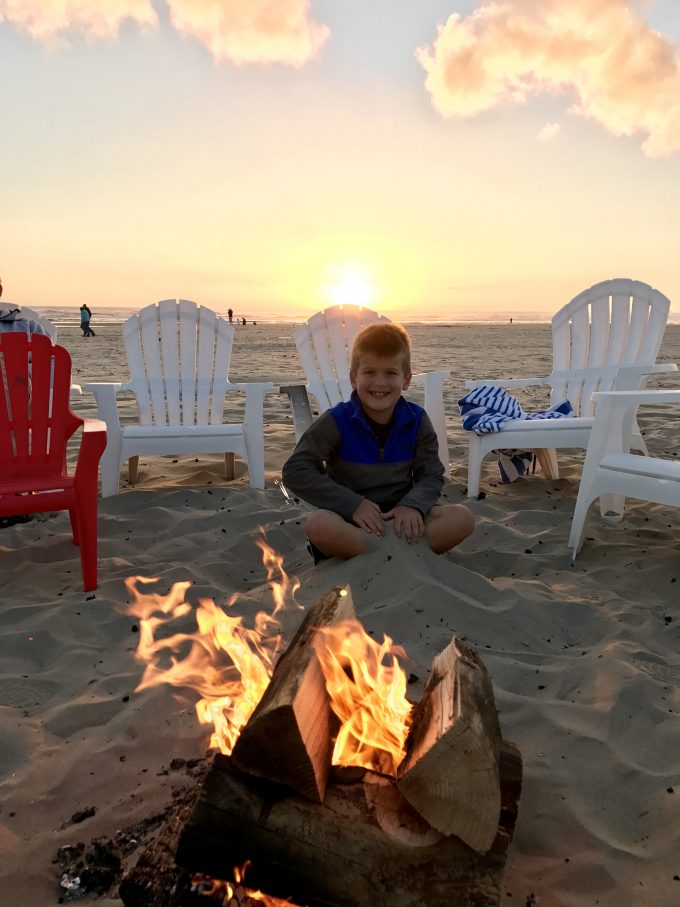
[(289, 736), (365, 845), (450, 773)]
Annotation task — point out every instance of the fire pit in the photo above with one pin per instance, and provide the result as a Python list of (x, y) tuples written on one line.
[(434, 833), (333, 789)]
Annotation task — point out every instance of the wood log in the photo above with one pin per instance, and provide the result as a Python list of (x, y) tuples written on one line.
[(450, 773), (289, 736), (363, 846)]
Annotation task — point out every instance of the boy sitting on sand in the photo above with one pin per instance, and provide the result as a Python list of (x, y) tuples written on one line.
[(374, 459)]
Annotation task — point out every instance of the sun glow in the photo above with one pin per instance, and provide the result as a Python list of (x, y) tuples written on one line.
[(349, 287)]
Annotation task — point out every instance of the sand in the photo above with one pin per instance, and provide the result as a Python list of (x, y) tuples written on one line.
[(585, 657)]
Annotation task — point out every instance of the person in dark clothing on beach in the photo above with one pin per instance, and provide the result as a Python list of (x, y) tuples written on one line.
[(230, 315), (85, 316), (374, 459)]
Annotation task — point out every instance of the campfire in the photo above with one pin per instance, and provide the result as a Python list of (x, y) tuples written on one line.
[(329, 783)]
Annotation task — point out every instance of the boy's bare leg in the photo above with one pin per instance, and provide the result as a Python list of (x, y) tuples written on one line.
[(446, 526), (336, 537)]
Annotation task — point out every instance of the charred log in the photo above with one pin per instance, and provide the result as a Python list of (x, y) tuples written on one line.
[(364, 845)]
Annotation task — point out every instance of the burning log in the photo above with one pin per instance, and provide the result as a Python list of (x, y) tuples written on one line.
[(289, 736), (436, 834), (451, 771), (364, 845)]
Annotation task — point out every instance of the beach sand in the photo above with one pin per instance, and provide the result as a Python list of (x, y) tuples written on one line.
[(584, 656)]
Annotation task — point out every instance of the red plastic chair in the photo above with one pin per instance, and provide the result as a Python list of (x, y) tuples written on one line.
[(36, 423)]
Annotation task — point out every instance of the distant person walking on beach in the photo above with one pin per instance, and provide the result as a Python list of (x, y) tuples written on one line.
[(243, 321), (85, 316), (374, 459), (230, 313)]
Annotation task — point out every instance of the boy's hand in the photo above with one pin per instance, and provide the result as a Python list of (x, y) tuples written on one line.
[(368, 517), (407, 520)]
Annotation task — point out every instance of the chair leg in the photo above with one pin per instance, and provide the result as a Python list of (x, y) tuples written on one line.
[(73, 516), (229, 466), (133, 469), (612, 507), (111, 463), (578, 524), (474, 466), (255, 450), (547, 457), (87, 522)]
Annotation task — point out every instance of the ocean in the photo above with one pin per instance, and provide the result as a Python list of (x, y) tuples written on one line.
[(70, 315)]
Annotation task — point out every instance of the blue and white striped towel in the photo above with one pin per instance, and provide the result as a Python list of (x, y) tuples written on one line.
[(487, 408)]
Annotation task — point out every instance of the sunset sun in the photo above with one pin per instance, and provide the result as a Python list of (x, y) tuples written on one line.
[(349, 287)]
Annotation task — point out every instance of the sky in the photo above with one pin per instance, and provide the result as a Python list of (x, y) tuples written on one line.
[(427, 158)]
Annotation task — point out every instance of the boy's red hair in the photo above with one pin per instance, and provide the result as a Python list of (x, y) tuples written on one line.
[(382, 339)]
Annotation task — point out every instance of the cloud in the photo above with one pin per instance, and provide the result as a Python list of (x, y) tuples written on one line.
[(45, 20), (548, 132), (252, 31), (621, 73), (242, 31)]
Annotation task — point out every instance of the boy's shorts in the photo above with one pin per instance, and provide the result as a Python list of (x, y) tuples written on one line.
[(316, 553)]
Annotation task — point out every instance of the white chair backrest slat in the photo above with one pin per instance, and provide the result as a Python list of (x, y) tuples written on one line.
[(639, 330), (324, 359), (170, 355), (342, 326), (204, 362), (620, 325), (187, 363), (658, 316), (219, 382), (580, 339), (132, 341), (151, 350), (599, 331)]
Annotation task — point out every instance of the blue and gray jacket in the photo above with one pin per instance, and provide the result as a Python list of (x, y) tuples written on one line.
[(339, 461)]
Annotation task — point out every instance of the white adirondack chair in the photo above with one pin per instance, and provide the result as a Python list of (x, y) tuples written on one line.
[(178, 354), (325, 345), (607, 336), (611, 472)]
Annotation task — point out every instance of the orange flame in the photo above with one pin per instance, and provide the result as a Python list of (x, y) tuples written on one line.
[(367, 694), (228, 664)]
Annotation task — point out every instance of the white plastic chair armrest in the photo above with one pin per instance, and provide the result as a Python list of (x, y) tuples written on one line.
[(105, 395), (628, 376), (424, 377), (627, 398), (247, 387)]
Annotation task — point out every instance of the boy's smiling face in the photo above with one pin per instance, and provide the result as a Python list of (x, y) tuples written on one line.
[(379, 382)]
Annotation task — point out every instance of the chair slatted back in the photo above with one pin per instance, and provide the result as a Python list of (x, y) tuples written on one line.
[(615, 322), (324, 344), (179, 355), (35, 417)]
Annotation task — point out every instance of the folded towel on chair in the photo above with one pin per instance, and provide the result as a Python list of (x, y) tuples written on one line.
[(487, 408)]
